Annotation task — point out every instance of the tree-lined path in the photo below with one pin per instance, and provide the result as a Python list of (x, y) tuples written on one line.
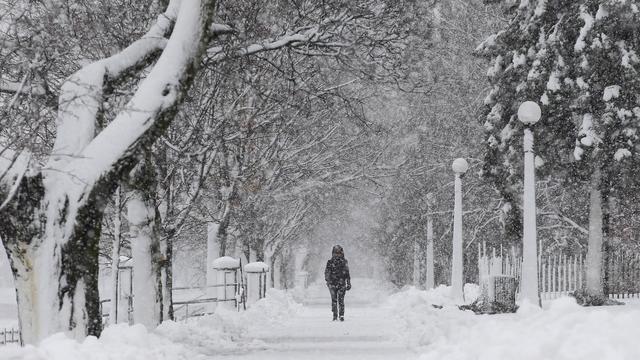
[(367, 333)]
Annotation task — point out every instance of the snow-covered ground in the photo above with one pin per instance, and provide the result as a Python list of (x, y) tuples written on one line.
[(563, 330), (381, 323), (199, 338), (369, 331)]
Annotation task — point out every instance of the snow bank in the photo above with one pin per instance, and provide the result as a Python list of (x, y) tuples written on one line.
[(421, 321), (440, 296), (277, 307), (198, 338), (563, 331), (171, 340)]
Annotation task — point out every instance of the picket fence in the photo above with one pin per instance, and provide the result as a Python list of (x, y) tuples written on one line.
[(559, 275), (623, 274), (8, 336)]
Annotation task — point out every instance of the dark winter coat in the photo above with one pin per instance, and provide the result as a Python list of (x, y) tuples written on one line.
[(336, 274)]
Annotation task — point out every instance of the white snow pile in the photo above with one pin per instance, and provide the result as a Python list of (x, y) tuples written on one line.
[(192, 340), (198, 338), (563, 331), (440, 296), (277, 307), (420, 321)]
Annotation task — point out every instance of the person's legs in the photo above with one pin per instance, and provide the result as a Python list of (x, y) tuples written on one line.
[(334, 301), (340, 294)]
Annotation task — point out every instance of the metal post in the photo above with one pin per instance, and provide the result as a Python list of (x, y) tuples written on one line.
[(459, 166), (529, 113)]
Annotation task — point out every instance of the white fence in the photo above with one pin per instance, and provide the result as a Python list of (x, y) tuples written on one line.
[(559, 275), (8, 336)]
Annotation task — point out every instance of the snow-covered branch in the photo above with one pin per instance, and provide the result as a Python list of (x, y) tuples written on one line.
[(19, 87), (81, 96), (304, 38), (573, 224), (288, 225), (15, 174), (155, 101), (184, 213), (13, 166), (220, 29)]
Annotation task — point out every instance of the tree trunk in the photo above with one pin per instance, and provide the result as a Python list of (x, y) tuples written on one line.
[(148, 247), (269, 259), (606, 230), (166, 274), (594, 253), (51, 224), (277, 271), (416, 263), (213, 252), (115, 261), (430, 282), (147, 272), (52, 239)]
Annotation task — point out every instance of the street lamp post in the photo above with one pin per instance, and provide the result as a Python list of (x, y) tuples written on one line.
[(459, 167), (529, 113)]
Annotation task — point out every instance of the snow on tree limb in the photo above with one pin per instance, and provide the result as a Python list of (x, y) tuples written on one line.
[(16, 171), (81, 95), (13, 165), (19, 87), (156, 97), (317, 36), (220, 29)]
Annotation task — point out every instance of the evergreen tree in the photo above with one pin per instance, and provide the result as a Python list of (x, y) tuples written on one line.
[(577, 59)]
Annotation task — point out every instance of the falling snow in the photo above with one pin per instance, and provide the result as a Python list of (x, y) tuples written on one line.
[(199, 179)]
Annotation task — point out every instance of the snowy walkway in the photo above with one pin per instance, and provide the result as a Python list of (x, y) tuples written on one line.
[(407, 327), (368, 332)]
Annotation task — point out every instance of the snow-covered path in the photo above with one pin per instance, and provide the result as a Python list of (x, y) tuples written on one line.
[(405, 327), (369, 332)]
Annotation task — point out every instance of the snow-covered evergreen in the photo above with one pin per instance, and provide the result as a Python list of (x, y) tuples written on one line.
[(578, 60)]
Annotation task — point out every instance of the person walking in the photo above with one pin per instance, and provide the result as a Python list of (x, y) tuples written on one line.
[(338, 279)]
